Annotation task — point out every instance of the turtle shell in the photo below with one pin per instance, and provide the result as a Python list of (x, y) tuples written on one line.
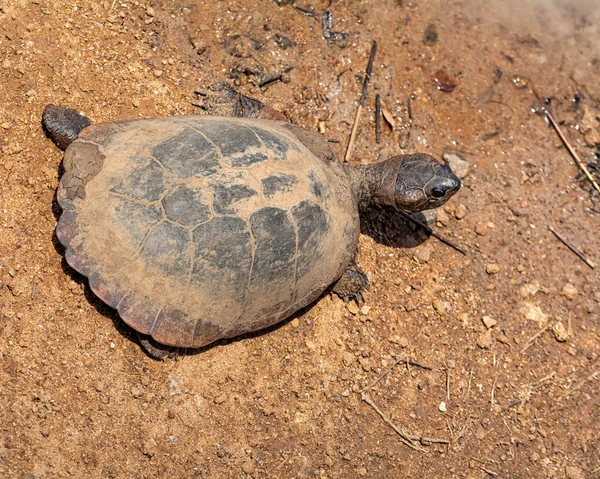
[(199, 228)]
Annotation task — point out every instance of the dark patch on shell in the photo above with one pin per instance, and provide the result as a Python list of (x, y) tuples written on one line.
[(167, 248), (222, 248), (147, 183), (226, 195), (279, 146), (312, 226), (135, 218), (231, 138), (316, 186), (187, 206), (248, 159), (275, 250), (280, 183), (187, 154)]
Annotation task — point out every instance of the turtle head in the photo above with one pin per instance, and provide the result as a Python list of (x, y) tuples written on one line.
[(413, 182), (422, 182)]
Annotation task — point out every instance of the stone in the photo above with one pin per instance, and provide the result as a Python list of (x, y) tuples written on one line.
[(569, 291), (560, 332), (485, 339), (480, 229), (574, 472), (489, 322), (533, 312), (492, 268), (459, 165), (460, 212)]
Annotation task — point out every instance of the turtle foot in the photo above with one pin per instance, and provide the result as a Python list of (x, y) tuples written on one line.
[(352, 285), (157, 350)]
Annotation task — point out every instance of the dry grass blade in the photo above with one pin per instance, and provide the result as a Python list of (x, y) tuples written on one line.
[(569, 245)]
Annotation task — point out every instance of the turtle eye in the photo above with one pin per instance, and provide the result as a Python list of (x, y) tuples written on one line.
[(438, 191)]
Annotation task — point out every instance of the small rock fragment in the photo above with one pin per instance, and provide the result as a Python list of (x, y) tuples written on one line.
[(442, 407), (442, 218), (574, 472), (442, 307), (460, 212), (569, 291), (489, 322), (480, 229), (352, 307), (431, 35), (175, 386), (560, 332), (533, 312), (485, 339), (492, 268), (220, 399), (459, 166), (480, 432), (422, 254), (529, 289), (248, 467)]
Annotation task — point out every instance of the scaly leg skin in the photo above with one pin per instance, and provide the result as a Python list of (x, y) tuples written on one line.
[(156, 350), (352, 284), (221, 99)]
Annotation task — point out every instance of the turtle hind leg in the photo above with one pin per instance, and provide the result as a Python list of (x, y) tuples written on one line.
[(221, 99), (156, 350), (352, 284), (63, 125)]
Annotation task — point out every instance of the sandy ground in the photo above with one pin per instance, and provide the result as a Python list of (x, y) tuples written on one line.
[(509, 333)]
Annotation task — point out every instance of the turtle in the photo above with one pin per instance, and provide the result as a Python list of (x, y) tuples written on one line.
[(201, 227)]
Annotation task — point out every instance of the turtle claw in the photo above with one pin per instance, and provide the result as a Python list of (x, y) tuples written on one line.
[(352, 285)]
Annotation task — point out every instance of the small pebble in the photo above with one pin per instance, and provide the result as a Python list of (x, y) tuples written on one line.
[(485, 340), (480, 432), (480, 229), (574, 472), (442, 307), (365, 310), (352, 307), (175, 386), (460, 212), (459, 166), (442, 218), (248, 467), (220, 399), (569, 291), (362, 472), (489, 322), (560, 332), (442, 406), (492, 268), (422, 254)]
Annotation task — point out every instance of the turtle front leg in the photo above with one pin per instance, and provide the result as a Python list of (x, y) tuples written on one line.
[(157, 350), (221, 99), (352, 284)]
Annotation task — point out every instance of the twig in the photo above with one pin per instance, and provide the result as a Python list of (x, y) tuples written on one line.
[(494, 390), (491, 473), (432, 233), (377, 118), (361, 102), (447, 383), (533, 338), (562, 137), (407, 437), (581, 383), (469, 386), (569, 245), (387, 371)]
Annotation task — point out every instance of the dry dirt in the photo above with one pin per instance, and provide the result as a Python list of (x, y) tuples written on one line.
[(79, 398)]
